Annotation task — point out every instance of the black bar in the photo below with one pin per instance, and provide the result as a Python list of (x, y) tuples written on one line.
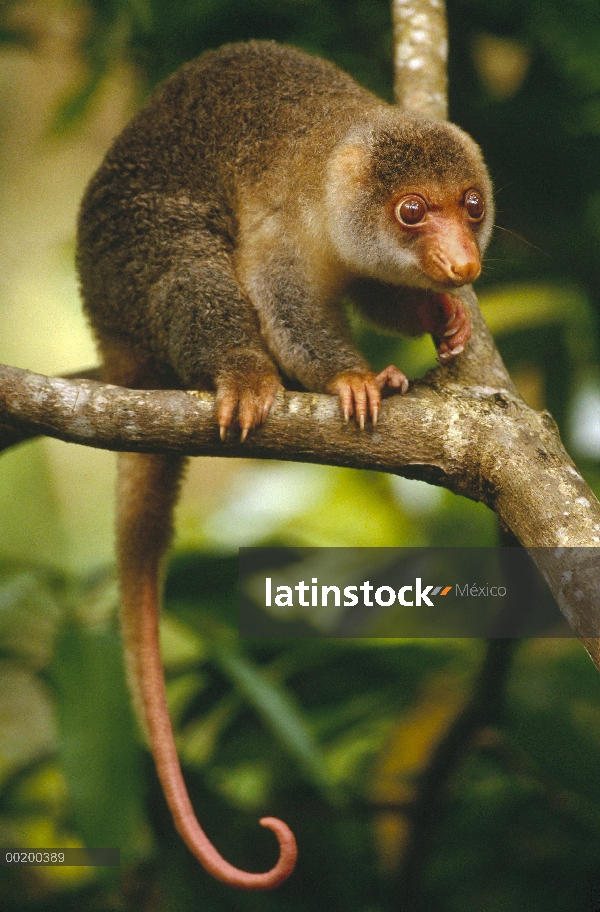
[(58, 857)]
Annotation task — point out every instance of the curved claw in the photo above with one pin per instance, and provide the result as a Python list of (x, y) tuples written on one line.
[(251, 398), (447, 319), (360, 391)]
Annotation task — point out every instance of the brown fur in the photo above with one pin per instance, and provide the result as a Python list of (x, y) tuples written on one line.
[(214, 242), (207, 241)]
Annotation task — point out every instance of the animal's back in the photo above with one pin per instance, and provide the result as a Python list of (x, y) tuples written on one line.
[(232, 113), (220, 125)]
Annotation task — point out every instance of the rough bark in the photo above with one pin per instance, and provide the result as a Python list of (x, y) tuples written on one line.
[(463, 427), (420, 56)]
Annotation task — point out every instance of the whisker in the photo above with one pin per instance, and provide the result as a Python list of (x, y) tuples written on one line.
[(520, 237)]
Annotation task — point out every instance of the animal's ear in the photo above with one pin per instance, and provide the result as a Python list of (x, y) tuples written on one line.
[(350, 162)]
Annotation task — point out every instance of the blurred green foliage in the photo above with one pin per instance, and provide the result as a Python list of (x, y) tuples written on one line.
[(329, 734), (333, 735)]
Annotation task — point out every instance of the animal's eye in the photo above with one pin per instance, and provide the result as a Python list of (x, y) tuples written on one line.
[(411, 210), (474, 205)]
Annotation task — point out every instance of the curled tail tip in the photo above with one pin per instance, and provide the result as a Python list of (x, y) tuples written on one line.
[(245, 880), (288, 851)]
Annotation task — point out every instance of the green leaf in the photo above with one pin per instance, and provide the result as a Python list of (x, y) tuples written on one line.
[(279, 711), (97, 743)]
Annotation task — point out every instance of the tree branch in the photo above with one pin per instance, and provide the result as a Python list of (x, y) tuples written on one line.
[(420, 56), (462, 426)]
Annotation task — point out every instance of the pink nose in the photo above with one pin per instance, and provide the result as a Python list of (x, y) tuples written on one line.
[(464, 273)]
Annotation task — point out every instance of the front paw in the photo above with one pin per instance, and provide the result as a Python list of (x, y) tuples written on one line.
[(247, 396), (360, 391), (447, 319)]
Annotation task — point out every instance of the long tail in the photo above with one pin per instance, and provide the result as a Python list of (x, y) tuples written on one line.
[(147, 492)]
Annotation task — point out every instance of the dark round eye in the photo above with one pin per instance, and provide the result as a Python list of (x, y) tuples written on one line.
[(474, 205), (411, 210)]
